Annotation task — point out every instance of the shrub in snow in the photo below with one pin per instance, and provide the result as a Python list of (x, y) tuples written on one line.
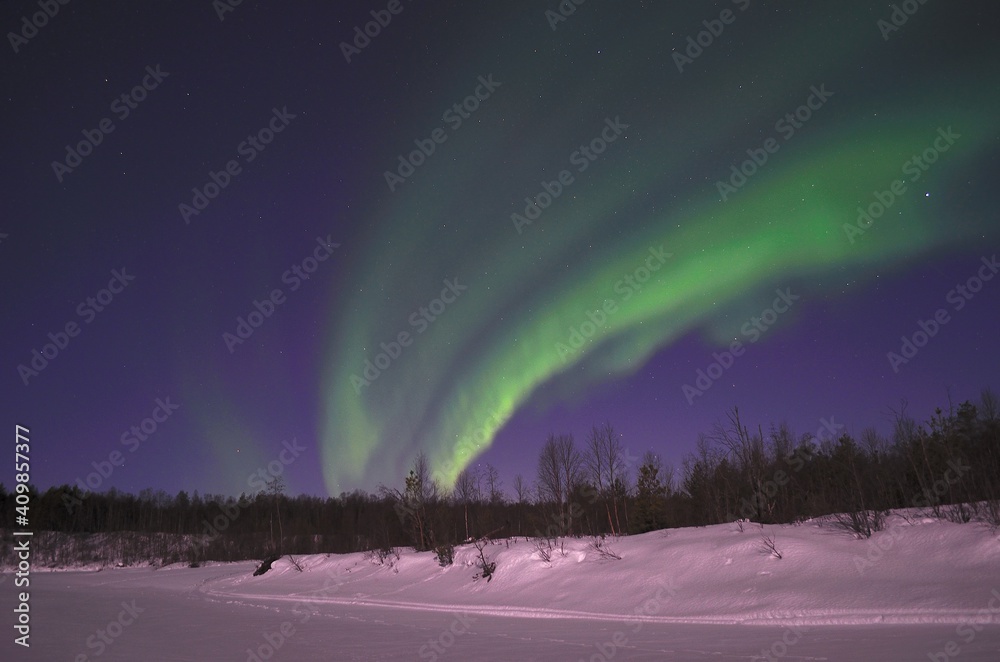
[(383, 556), (862, 523), (604, 551), (959, 513), (768, 547), (445, 555), (486, 567), (992, 514), (544, 548), (547, 546)]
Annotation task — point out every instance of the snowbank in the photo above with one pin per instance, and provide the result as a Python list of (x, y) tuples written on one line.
[(918, 570)]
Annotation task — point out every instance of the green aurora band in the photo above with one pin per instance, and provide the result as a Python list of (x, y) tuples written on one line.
[(455, 386)]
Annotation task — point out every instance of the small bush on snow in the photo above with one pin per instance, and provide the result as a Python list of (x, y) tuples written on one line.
[(486, 566), (862, 523), (768, 546), (445, 555), (382, 556), (600, 545), (544, 548)]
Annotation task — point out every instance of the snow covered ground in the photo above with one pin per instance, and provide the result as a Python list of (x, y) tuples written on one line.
[(923, 589)]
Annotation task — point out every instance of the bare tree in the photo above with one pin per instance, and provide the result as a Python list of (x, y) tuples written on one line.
[(605, 464), (493, 484), (989, 405), (422, 492), (668, 473), (276, 487), (782, 440), (595, 459), (550, 482), (560, 470), (466, 492), (617, 471), (521, 493), (747, 453), (521, 489)]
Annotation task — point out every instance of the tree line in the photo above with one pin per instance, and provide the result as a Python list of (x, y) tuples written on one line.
[(948, 465)]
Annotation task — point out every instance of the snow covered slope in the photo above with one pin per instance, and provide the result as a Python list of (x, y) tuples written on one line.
[(918, 570)]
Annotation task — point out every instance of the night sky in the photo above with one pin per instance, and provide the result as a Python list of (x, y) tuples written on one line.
[(527, 222)]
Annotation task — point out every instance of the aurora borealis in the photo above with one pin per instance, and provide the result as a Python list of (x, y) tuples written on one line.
[(456, 386), (541, 222)]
